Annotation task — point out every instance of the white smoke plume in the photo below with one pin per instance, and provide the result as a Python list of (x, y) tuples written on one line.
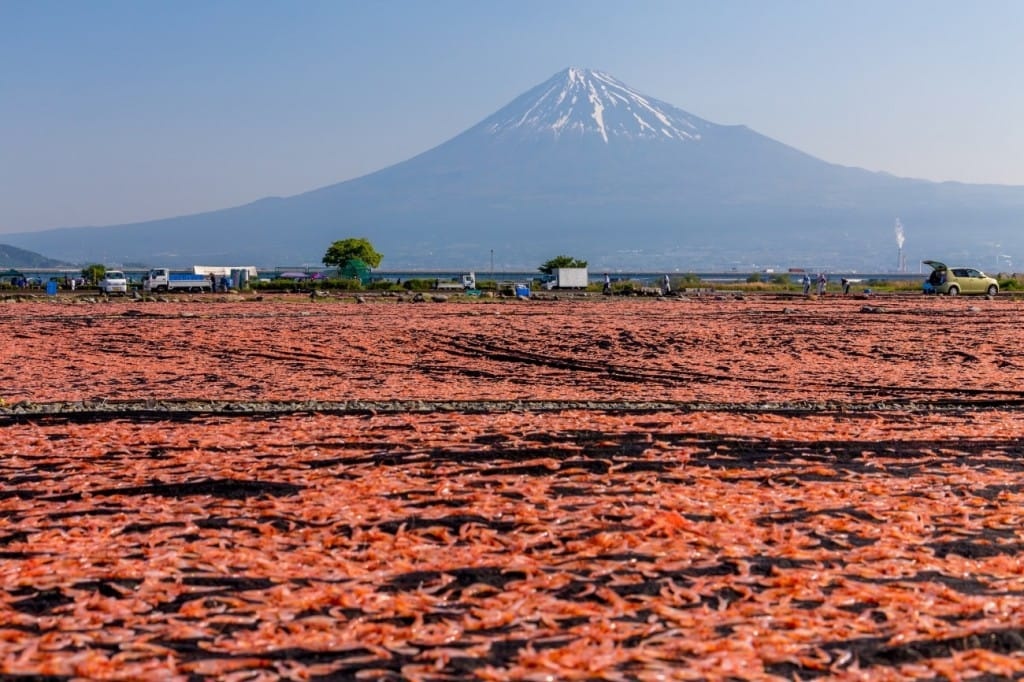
[(900, 238)]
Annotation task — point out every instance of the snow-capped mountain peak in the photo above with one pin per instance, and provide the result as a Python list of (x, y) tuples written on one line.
[(584, 102)]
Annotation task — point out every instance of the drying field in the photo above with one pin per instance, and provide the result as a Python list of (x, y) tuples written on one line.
[(751, 488)]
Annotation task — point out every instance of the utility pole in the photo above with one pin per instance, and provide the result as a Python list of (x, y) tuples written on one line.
[(492, 265)]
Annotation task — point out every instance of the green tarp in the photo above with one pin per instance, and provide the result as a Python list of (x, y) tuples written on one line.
[(355, 269)]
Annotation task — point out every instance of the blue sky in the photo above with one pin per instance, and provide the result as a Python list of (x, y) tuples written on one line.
[(118, 111)]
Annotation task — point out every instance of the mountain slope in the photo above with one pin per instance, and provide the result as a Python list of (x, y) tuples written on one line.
[(583, 164), (13, 257)]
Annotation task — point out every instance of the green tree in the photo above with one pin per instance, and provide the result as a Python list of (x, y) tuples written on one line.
[(94, 273), (344, 250), (561, 262)]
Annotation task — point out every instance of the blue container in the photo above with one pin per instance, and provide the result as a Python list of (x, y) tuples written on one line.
[(51, 288), (522, 290)]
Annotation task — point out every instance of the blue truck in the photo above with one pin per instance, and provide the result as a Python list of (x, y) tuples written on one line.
[(162, 279)]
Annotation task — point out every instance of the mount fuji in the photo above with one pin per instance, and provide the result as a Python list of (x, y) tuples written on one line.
[(583, 164)]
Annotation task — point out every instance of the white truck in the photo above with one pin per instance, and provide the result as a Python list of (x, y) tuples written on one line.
[(567, 278), (162, 279), (466, 282), (114, 282)]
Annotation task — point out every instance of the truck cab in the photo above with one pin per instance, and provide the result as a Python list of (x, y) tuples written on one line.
[(157, 280)]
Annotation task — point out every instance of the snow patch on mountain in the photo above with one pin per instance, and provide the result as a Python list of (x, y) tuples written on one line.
[(587, 102)]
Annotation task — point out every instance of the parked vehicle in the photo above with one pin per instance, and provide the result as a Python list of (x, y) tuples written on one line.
[(464, 283), (162, 279), (958, 280), (567, 278), (114, 282)]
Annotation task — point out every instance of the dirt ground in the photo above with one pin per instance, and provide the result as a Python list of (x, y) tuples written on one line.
[(679, 488)]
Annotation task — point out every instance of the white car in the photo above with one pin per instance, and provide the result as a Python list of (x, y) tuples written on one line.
[(114, 282)]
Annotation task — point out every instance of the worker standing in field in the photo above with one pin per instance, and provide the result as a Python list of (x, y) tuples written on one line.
[(668, 285), (806, 281), (607, 284), (822, 283)]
